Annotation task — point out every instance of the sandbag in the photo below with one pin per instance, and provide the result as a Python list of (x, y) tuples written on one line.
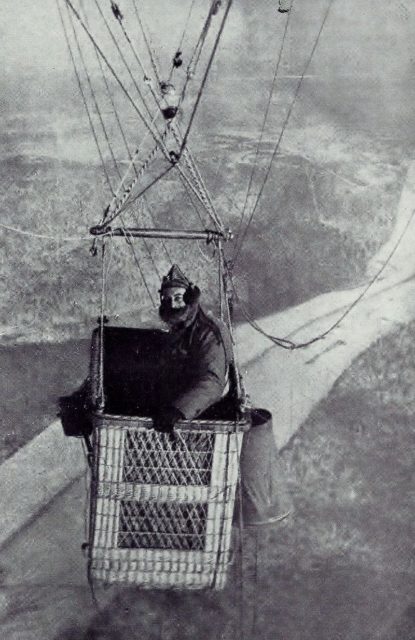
[(264, 493), (74, 412)]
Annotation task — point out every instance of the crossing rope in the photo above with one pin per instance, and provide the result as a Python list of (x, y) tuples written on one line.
[(91, 88), (111, 98), (286, 343), (116, 77)]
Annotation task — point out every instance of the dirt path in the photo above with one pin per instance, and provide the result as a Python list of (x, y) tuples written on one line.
[(291, 383)]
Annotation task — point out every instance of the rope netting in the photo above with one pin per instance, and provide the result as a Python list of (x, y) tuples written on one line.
[(109, 60)]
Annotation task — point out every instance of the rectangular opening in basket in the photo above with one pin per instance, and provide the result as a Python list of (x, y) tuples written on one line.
[(150, 458), (155, 525)]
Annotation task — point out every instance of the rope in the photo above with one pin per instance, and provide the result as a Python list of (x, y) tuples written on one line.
[(130, 73), (141, 65), (149, 50), (185, 180), (147, 247), (206, 74), (288, 344), (197, 51), (277, 146), (256, 573), (137, 263), (228, 320), (116, 206), (44, 236), (202, 194), (271, 93), (145, 204), (114, 108), (142, 192), (110, 67), (241, 552), (78, 79), (179, 46), (221, 283), (101, 396), (188, 188), (91, 88), (199, 184)]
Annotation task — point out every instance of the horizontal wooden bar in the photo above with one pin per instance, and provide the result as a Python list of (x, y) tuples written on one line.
[(168, 234)]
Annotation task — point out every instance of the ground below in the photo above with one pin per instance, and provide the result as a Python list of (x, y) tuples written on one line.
[(342, 568)]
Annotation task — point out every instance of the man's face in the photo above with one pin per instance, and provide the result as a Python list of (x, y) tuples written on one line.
[(173, 307), (173, 297)]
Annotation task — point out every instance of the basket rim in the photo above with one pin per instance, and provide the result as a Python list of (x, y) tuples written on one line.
[(221, 426)]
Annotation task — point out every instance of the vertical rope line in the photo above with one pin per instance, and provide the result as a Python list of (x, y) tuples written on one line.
[(129, 241), (191, 67), (206, 74), (140, 64), (255, 603), (183, 36), (239, 382), (241, 550), (203, 193), (147, 43), (146, 204), (101, 398), (111, 97), (197, 50), (284, 126), (147, 247), (127, 66), (264, 121), (120, 83), (78, 79), (221, 284), (91, 88)]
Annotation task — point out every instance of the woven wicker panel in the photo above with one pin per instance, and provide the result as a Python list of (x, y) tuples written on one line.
[(153, 458), (152, 525), (161, 509)]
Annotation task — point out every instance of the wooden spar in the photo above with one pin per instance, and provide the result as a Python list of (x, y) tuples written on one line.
[(168, 234)]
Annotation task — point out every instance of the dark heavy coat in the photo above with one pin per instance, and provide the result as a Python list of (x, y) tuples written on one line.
[(197, 363)]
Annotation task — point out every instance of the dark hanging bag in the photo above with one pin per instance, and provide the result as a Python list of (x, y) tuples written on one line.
[(74, 412)]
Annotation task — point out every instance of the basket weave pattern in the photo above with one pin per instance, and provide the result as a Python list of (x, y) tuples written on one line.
[(161, 509)]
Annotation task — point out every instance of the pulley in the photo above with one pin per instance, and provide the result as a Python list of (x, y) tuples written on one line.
[(168, 92), (177, 60), (169, 112), (167, 89)]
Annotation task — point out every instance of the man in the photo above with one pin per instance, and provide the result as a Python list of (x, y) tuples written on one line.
[(198, 357)]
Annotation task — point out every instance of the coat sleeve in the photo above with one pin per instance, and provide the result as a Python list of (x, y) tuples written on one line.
[(209, 379)]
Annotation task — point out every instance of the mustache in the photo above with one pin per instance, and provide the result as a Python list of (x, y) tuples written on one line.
[(167, 313)]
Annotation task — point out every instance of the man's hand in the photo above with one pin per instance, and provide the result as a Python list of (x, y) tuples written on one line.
[(165, 420)]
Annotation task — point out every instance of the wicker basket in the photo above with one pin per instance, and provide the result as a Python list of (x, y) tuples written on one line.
[(161, 509)]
